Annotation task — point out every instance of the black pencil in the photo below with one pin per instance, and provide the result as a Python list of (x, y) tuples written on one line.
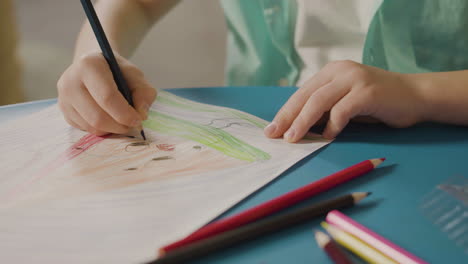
[(256, 229), (108, 54)]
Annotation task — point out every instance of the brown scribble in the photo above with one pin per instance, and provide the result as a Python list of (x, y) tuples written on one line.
[(162, 158), (142, 143)]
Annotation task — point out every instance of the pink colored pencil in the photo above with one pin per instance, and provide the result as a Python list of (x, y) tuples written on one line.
[(380, 243)]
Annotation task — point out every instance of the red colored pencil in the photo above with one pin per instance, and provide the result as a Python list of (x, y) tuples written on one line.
[(331, 248), (276, 204)]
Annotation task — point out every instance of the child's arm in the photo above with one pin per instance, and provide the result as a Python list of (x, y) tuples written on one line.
[(125, 22), (88, 96), (348, 89)]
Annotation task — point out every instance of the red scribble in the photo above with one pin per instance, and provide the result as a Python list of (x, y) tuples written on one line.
[(165, 147)]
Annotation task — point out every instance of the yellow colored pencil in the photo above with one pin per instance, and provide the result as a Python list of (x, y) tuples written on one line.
[(356, 246)]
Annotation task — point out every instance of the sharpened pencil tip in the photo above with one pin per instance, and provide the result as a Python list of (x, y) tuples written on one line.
[(143, 134), (377, 162), (358, 196), (368, 193)]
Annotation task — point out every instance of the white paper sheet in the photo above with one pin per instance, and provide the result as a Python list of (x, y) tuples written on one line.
[(67, 196)]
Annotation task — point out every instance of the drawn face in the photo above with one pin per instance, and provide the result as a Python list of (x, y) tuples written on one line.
[(120, 161), (198, 144), (140, 155), (133, 160)]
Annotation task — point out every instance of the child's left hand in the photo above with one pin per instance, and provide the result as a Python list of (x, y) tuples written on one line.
[(348, 89)]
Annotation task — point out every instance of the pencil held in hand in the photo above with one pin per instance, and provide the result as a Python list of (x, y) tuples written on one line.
[(108, 54)]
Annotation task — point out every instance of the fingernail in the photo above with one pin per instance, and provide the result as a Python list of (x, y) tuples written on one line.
[(136, 123), (270, 129), (289, 135)]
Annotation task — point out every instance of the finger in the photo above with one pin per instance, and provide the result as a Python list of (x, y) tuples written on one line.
[(318, 103), (83, 125), (68, 113), (323, 119), (76, 118), (87, 127), (78, 121), (295, 103), (94, 115), (98, 80), (348, 107)]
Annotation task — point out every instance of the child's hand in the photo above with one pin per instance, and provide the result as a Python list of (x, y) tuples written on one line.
[(90, 100), (348, 89)]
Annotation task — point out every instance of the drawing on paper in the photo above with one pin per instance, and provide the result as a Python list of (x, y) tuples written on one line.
[(62, 191), (196, 135)]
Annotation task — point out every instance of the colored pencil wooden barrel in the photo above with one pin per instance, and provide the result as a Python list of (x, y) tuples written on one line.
[(277, 204), (257, 229)]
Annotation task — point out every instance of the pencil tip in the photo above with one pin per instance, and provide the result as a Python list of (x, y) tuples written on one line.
[(377, 162), (321, 238), (143, 134), (358, 196)]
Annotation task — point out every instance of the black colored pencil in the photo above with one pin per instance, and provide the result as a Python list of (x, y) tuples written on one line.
[(257, 229), (107, 53)]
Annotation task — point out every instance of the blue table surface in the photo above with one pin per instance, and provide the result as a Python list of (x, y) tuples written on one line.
[(418, 159)]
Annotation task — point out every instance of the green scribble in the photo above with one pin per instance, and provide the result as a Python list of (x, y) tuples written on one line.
[(169, 99), (175, 101), (215, 138)]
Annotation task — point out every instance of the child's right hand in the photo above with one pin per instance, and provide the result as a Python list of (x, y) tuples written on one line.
[(90, 100)]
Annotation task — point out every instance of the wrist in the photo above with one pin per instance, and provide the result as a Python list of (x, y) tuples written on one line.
[(421, 91)]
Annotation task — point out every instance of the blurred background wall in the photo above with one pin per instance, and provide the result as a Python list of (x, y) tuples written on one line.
[(185, 49)]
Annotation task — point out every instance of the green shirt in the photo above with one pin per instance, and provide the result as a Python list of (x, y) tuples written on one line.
[(261, 42), (404, 36), (418, 36)]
